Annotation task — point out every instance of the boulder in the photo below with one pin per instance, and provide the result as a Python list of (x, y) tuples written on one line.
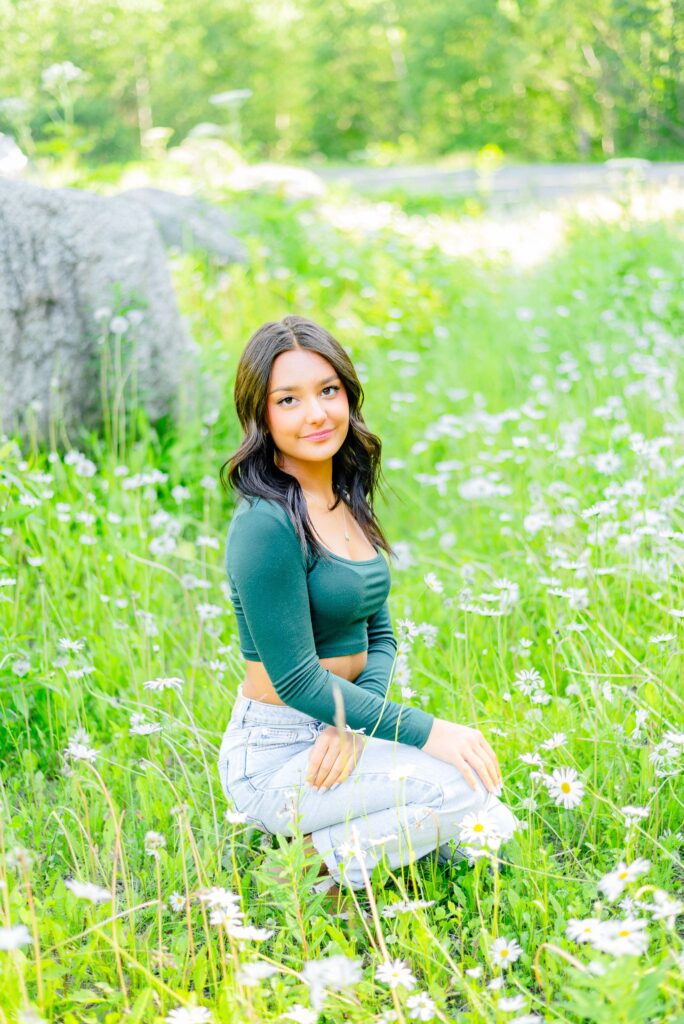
[(65, 256), (187, 223)]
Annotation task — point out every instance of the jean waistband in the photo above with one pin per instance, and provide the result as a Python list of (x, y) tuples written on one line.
[(246, 711)]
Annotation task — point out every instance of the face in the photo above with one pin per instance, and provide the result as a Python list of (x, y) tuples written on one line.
[(305, 397)]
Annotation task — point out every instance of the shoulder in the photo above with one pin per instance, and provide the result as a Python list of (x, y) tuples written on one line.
[(261, 528)]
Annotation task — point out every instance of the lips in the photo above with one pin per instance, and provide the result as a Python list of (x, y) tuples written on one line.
[(320, 434)]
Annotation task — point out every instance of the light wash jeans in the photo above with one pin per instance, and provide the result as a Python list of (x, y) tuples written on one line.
[(404, 802)]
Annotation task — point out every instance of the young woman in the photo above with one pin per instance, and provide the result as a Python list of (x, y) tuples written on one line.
[(313, 741)]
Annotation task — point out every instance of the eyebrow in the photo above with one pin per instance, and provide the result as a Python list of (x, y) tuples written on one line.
[(295, 387)]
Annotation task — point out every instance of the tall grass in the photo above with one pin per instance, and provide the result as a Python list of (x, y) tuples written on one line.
[(532, 434)]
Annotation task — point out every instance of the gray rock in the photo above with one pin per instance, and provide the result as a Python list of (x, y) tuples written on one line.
[(66, 254), (188, 223)]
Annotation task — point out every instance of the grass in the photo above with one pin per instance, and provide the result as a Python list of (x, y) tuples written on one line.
[(532, 447)]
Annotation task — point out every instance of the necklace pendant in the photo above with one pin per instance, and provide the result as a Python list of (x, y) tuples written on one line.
[(347, 537)]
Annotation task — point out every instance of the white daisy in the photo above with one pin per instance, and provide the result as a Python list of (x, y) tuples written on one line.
[(565, 787), (613, 883), (622, 938), (14, 936), (170, 683), (395, 973), (664, 907), (582, 930), (188, 1015), (556, 740), (253, 974), (177, 902), (505, 952), (88, 891), (154, 841), (421, 1006), (511, 1002), (475, 827)]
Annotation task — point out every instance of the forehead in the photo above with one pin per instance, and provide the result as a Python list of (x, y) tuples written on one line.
[(299, 368)]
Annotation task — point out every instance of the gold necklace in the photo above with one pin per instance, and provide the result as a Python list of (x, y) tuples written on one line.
[(344, 514)]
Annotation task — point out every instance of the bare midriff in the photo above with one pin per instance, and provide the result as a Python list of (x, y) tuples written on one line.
[(257, 685)]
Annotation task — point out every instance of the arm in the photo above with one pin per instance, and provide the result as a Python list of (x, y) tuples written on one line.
[(382, 649), (266, 566)]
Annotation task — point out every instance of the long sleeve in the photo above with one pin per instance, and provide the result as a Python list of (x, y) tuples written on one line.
[(382, 649), (267, 569)]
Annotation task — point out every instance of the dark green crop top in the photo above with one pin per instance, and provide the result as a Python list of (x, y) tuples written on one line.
[(291, 611)]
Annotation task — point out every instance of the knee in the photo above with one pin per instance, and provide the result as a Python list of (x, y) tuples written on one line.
[(503, 819), (458, 795)]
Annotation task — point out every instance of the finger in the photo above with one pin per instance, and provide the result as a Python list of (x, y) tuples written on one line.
[(492, 755), (336, 774), (465, 771), (490, 759), (324, 768), (483, 769), (318, 752)]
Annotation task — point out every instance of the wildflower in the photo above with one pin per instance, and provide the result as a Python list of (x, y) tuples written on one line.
[(396, 973), (432, 582), (163, 545), (527, 680), (207, 612), (252, 974), (163, 684), (88, 891), (582, 930), (557, 740), (180, 493), (218, 897), (664, 907), (139, 727), (475, 827), (188, 1015), (333, 973), (622, 938), (243, 931), (177, 902), (421, 1006), (511, 1002), (80, 751), (14, 936), (154, 842), (495, 984), (71, 645), (505, 952), (632, 813), (207, 542), (613, 883), (234, 817), (301, 1014), (662, 638), (474, 972), (565, 787)]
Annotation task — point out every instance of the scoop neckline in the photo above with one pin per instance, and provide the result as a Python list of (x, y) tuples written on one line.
[(353, 561)]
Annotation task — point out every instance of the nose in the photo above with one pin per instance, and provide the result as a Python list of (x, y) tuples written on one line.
[(316, 412)]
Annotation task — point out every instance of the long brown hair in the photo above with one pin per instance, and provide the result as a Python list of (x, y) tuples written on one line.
[(252, 470)]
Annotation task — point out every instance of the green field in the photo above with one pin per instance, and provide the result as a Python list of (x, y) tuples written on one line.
[(531, 418)]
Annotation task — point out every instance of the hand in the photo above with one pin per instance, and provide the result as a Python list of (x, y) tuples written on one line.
[(462, 746), (334, 756)]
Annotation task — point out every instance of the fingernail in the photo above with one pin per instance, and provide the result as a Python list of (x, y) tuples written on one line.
[(335, 785)]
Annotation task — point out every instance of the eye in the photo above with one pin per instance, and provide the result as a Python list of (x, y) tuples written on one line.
[(328, 387)]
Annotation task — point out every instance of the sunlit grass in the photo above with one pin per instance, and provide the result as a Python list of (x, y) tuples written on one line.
[(532, 445)]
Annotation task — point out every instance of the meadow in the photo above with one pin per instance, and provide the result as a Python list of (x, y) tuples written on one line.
[(530, 411)]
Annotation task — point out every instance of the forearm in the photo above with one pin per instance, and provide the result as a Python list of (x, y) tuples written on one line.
[(312, 690)]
